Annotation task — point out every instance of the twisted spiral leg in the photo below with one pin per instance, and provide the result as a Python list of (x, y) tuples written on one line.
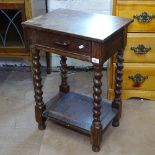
[(96, 128), (117, 102), (64, 87), (39, 107)]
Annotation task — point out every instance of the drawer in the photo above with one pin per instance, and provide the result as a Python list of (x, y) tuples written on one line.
[(140, 48), (65, 43), (143, 13), (138, 76)]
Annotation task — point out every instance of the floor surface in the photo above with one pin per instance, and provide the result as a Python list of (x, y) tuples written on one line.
[(19, 134)]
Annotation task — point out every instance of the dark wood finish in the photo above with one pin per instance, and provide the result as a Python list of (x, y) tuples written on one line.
[(89, 37), (79, 24), (64, 87), (65, 43), (48, 55), (40, 107), (117, 102), (96, 128), (48, 63), (69, 109)]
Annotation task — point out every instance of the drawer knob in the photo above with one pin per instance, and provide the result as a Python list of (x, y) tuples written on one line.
[(64, 44), (144, 17), (81, 47), (140, 49), (138, 78)]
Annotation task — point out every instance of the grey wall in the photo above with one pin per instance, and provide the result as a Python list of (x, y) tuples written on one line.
[(93, 6), (38, 7), (97, 6)]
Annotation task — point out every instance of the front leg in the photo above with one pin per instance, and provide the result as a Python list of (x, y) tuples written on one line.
[(117, 102), (39, 107), (96, 128)]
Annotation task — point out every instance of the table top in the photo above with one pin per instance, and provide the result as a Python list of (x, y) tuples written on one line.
[(77, 23)]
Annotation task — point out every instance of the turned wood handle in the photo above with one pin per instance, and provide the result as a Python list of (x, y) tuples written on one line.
[(144, 17), (141, 49), (64, 44), (138, 78)]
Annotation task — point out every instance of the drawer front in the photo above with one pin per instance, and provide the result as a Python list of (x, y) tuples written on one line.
[(138, 76), (140, 48), (143, 13), (64, 43)]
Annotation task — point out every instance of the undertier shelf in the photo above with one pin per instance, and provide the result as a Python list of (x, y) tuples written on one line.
[(75, 111)]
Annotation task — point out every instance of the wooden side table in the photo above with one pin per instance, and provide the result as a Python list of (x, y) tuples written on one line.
[(88, 37)]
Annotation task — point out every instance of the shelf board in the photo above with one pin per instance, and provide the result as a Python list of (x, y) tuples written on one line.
[(75, 111)]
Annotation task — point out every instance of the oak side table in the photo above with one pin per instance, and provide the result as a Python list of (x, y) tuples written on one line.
[(89, 37)]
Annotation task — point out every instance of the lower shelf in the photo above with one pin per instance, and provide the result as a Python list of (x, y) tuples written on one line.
[(75, 111)]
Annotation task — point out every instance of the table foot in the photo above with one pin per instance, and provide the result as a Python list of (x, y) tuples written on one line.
[(96, 136), (42, 126), (39, 118), (64, 89), (48, 70), (96, 148), (115, 122)]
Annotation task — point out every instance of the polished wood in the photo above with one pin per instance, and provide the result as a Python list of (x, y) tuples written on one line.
[(117, 103), (136, 39), (144, 94), (139, 54), (48, 55), (48, 63), (65, 108), (64, 87), (96, 128), (79, 27), (114, 7), (64, 43), (78, 35), (135, 7), (28, 8), (131, 69), (40, 107)]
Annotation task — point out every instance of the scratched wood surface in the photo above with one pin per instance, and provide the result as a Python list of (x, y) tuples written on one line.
[(95, 26)]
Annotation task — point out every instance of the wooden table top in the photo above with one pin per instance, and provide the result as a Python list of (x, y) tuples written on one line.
[(93, 26)]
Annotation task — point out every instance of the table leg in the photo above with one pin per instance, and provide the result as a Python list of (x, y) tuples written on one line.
[(117, 102), (64, 87), (96, 128), (48, 55), (40, 106), (48, 63)]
